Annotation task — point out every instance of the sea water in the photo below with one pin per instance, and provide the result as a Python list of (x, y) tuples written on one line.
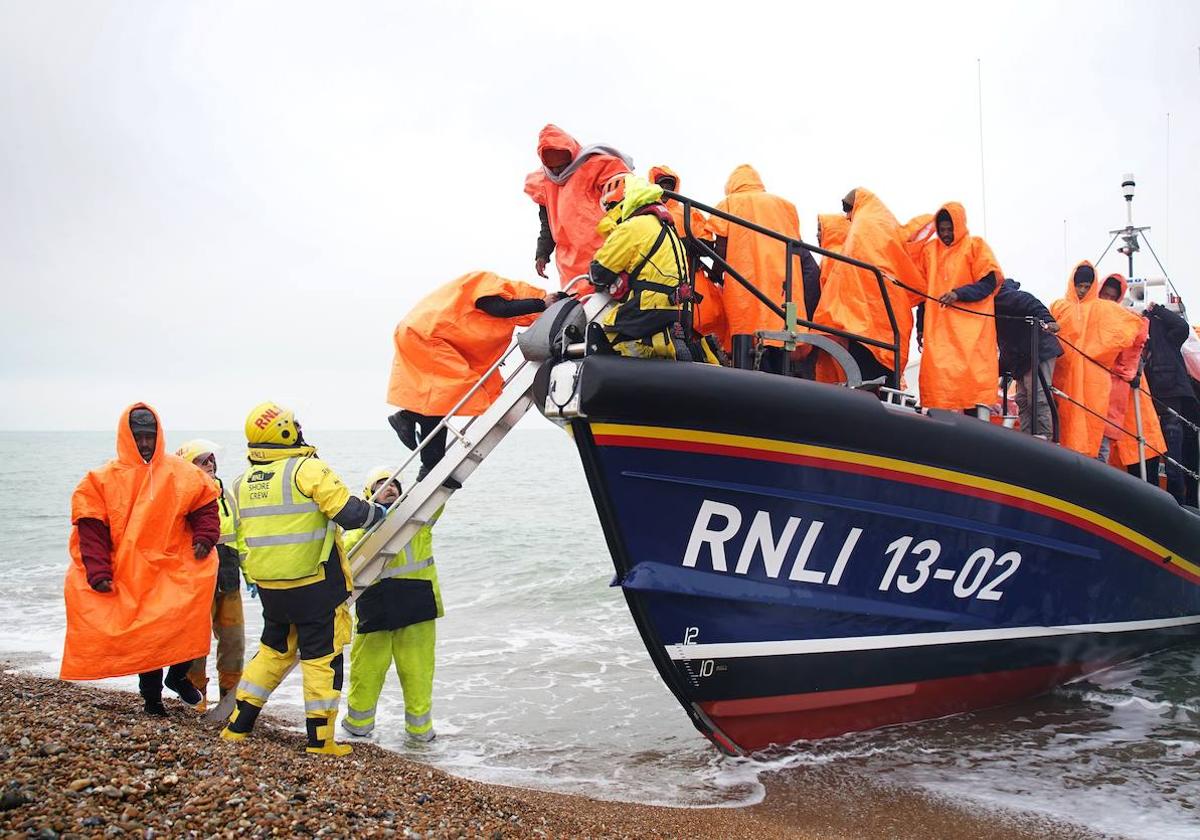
[(542, 679)]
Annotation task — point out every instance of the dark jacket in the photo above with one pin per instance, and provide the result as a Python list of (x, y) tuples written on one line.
[(1013, 336), (1165, 370)]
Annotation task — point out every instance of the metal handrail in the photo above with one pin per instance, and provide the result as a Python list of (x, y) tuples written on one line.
[(445, 423), (792, 246)]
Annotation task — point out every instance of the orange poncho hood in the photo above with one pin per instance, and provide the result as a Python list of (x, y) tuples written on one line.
[(744, 178), (553, 137), (661, 171), (1093, 293), (958, 217), (1121, 281), (159, 612)]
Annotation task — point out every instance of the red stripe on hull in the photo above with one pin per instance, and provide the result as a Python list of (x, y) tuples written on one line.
[(755, 723), (893, 475)]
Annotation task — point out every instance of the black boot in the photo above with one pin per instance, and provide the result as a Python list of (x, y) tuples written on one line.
[(404, 422), (241, 722), (178, 682), (155, 707)]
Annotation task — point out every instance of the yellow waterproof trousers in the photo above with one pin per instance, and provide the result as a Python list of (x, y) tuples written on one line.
[(660, 345), (319, 644), (229, 629), (412, 650)]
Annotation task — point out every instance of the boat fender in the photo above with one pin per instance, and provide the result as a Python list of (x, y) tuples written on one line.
[(562, 391), (545, 340)]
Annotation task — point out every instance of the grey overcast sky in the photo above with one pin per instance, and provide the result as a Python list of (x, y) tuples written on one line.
[(204, 205)]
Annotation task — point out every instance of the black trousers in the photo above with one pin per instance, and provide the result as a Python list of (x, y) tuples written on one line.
[(435, 450), (150, 683), (1181, 446), (870, 366)]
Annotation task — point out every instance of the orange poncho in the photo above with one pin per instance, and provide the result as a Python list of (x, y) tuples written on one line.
[(1122, 419), (851, 298), (1125, 447), (832, 229), (573, 206), (757, 258), (445, 345), (708, 317), (918, 231), (159, 612), (959, 366), (1101, 329)]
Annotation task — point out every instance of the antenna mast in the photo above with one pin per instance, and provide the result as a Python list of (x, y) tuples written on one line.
[(982, 177)]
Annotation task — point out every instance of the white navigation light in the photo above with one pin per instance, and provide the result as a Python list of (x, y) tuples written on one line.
[(1127, 185)]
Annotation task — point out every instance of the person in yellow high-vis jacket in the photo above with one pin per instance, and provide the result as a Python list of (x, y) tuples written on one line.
[(289, 505), (396, 617), (228, 618)]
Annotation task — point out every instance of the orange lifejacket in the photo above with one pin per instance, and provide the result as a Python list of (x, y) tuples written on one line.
[(159, 612), (446, 344)]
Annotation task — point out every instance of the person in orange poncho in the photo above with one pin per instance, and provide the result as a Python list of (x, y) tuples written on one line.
[(446, 344), (567, 192), (960, 359), (919, 231), (832, 229), (757, 258), (1101, 329), (1120, 435), (140, 585), (708, 316), (851, 299)]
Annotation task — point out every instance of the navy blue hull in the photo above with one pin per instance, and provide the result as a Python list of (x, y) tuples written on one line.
[(790, 586)]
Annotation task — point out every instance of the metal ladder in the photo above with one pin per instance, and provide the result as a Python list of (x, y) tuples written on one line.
[(467, 448)]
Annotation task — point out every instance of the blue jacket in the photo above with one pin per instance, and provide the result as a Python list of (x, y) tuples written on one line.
[(1013, 336)]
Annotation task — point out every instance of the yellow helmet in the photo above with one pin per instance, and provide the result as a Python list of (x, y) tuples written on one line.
[(375, 476), (270, 422), (193, 449)]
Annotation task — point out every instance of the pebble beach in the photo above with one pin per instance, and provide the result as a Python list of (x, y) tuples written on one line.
[(79, 761)]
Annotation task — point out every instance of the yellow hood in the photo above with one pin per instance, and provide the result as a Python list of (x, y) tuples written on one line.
[(638, 193)]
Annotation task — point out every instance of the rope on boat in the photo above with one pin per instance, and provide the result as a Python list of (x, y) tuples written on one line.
[(1159, 404)]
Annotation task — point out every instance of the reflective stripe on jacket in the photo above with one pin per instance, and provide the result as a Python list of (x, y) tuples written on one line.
[(227, 510), (286, 535)]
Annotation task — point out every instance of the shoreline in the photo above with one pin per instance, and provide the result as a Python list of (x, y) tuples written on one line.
[(82, 761)]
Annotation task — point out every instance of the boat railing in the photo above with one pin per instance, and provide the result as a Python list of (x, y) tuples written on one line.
[(792, 321), (789, 312)]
